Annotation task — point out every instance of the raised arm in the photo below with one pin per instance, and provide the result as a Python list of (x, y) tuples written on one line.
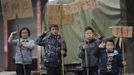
[(40, 39), (11, 40), (98, 49)]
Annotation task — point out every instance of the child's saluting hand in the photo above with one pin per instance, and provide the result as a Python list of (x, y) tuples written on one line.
[(102, 45), (13, 33)]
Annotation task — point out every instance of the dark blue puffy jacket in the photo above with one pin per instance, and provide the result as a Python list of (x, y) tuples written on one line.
[(116, 64)]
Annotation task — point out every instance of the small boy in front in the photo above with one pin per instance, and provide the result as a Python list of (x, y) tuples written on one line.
[(110, 60)]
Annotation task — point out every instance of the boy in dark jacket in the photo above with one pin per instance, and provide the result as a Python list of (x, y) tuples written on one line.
[(89, 45), (110, 60), (54, 47)]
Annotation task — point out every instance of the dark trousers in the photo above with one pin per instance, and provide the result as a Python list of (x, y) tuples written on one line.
[(108, 73), (20, 69), (53, 70), (92, 71)]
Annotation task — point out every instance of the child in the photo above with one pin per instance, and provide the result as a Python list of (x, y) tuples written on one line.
[(110, 60), (24, 47), (90, 45), (54, 47)]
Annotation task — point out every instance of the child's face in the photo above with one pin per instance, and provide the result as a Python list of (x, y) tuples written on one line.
[(89, 34), (24, 34), (109, 46), (54, 30)]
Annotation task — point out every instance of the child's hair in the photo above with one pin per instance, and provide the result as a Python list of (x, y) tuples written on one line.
[(88, 28), (110, 40), (24, 28), (53, 25)]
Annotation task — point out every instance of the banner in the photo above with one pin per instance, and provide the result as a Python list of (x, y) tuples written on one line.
[(57, 16), (122, 31), (19, 8)]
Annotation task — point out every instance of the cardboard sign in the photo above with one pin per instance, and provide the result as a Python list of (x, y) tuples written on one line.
[(21, 8), (78, 5), (57, 16), (71, 8), (122, 31), (89, 4)]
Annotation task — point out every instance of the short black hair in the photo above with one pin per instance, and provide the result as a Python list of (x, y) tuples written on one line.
[(53, 25), (88, 28), (24, 28), (109, 40)]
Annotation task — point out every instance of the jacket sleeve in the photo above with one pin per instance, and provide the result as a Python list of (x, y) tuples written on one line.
[(12, 41), (40, 40), (80, 51), (32, 44), (101, 38), (98, 51)]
